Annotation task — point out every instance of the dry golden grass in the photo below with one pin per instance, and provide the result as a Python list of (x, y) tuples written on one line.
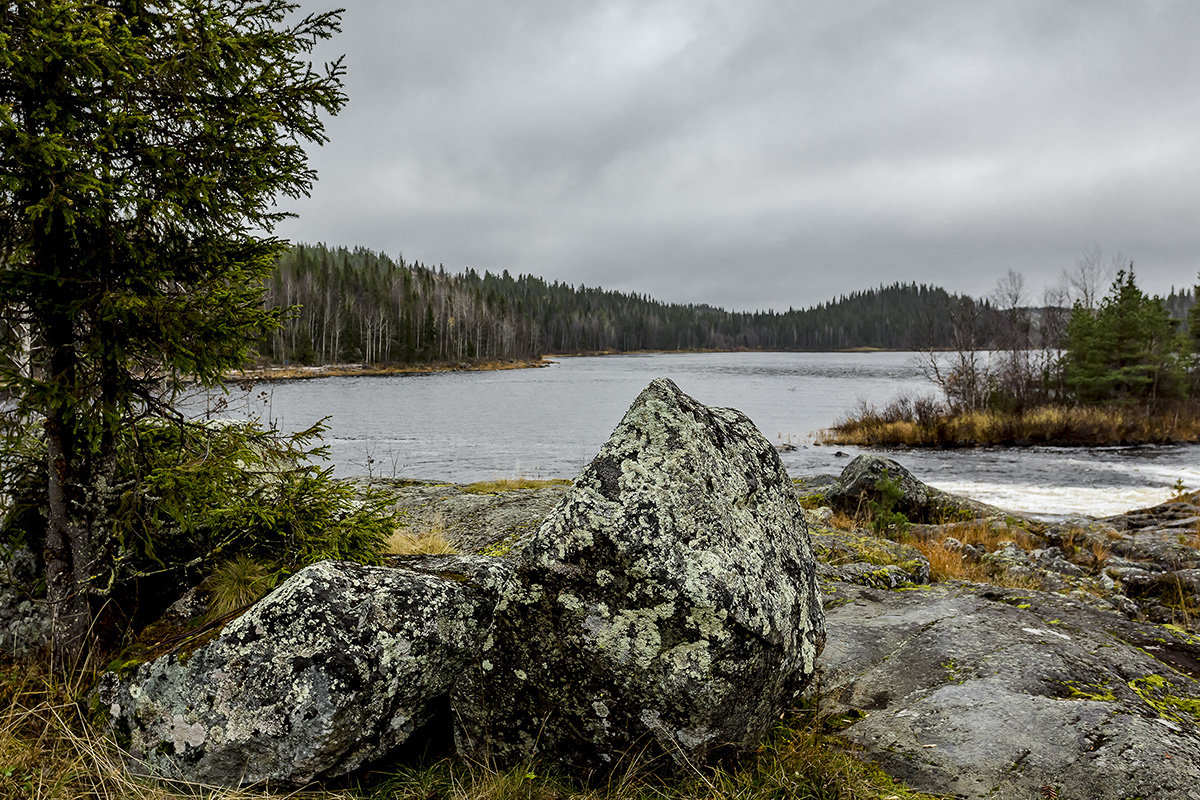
[(844, 522), (1081, 425), (947, 563), (983, 533), (1086, 549), (407, 543), (511, 484), (428, 537)]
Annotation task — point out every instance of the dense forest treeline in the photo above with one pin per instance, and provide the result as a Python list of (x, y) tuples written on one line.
[(365, 307)]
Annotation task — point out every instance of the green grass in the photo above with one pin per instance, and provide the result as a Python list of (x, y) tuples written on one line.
[(237, 584)]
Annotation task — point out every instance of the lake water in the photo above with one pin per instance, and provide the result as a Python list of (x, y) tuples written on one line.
[(549, 422)]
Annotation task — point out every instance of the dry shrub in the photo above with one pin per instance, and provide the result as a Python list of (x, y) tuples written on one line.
[(843, 522), (1191, 538), (946, 563), (426, 538), (1085, 548), (1100, 552), (989, 536)]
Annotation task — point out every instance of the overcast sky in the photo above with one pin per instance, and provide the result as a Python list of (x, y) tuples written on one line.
[(767, 154)]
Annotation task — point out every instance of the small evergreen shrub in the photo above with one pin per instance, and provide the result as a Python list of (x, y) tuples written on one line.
[(188, 498), (884, 516)]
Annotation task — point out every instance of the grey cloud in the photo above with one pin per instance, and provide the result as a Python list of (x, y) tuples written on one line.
[(767, 153)]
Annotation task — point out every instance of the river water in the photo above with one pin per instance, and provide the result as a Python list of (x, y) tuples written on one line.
[(549, 422)]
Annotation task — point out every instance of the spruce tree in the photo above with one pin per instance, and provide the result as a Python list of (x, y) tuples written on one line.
[(1193, 338), (1124, 350), (143, 147)]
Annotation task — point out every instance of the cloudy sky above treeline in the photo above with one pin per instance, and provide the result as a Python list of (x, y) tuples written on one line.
[(767, 153)]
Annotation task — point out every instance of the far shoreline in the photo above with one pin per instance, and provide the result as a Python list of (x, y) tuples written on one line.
[(281, 374)]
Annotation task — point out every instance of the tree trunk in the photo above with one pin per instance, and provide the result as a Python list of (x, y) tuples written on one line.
[(68, 551)]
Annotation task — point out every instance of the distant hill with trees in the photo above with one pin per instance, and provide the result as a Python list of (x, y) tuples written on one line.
[(355, 305)]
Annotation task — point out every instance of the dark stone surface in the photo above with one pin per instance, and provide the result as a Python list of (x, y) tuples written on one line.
[(858, 485)]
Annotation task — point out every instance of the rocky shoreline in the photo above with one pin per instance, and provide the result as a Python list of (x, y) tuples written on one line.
[(1074, 671)]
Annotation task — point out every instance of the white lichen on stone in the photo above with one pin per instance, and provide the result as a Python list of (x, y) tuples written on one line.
[(184, 734)]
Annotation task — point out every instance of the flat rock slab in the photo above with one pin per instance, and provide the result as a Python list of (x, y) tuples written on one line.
[(979, 692)]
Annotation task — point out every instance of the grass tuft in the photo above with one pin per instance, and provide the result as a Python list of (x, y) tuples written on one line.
[(238, 583), (421, 543)]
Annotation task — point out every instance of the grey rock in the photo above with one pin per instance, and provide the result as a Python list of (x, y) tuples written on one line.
[(24, 625), (1170, 549), (888, 576), (478, 522), (858, 486), (1170, 514), (818, 516), (810, 485), (1054, 560), (1171, 584), (669, 602), (859, 556), (984, 693), (334, 668), (969, 552), (1009, 555), (24, 618)]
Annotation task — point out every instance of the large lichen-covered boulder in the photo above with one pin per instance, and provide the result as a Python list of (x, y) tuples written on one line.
[(670, 602), (336, 667)]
